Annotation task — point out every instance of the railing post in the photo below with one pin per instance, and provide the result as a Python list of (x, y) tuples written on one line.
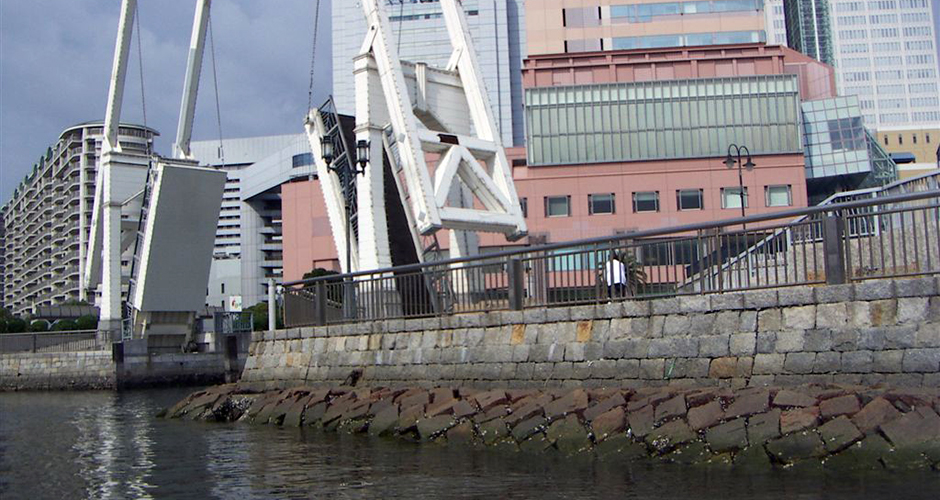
[(516, 284), (321, 303), (34, 342), (833, 250)]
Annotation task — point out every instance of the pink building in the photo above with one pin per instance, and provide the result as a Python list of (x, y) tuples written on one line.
[(632, 140)]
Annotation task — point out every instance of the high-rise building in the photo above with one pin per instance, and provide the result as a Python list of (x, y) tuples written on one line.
[(809, 28), (576, 26), (48, 220), (886, 54), (498, 33), (248, 242), (776, 23)]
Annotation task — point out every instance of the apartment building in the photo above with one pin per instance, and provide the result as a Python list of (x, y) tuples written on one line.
[(48, 219)]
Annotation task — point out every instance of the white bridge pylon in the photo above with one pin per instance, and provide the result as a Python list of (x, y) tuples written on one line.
[(410, 112)]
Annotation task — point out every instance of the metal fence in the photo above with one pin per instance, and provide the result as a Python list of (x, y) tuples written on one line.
[(872, 237), (43, 342)]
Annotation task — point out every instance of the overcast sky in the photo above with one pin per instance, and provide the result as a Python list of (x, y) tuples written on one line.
[(56, 55)]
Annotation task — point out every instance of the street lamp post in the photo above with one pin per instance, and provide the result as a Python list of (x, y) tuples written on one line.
[(730, 162), (347, 172)]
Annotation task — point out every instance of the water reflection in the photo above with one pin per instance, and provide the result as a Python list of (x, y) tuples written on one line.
[(108, 445)]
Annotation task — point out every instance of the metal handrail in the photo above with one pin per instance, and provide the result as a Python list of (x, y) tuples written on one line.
[(685, 228)]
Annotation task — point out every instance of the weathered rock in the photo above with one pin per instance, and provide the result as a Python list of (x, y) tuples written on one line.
[(384, 422), (408, 418), (493, 431), (463, 409), (441, 407), (569, 435), (294, 416), (429, 428), (461, 433), (526, 428), (314, 415), (621, 447), (670, 409), (641, 421), (842, 405), (839, 433), (749, 404), (752, 458), (862, 455), (608, 424), (787, 398), (914, 430), (763, 427), (574, 402), (604, 406), (875, 413), (705, 416), (537, 443), (797, 446), (798, 419), (692, 453), (729, 436), (670, 435)]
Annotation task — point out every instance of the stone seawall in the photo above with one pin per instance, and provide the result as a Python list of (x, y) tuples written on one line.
[(838, 427), (873, 332), (56, 371)]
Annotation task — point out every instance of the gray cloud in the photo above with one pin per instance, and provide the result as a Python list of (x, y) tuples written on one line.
[(55, 63)]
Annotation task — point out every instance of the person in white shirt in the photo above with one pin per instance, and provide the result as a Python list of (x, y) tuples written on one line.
[(615, 274)]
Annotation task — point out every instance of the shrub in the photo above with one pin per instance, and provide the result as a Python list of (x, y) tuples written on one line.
[(16, 325), (65, 325), (40, 325), (87, 322), (3, 326)]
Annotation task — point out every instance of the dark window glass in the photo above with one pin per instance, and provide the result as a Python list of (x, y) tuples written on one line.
[(601, 203), (646, 201), (689, 199)]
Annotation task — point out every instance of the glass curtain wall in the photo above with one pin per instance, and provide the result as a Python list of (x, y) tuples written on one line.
[(663, 119)]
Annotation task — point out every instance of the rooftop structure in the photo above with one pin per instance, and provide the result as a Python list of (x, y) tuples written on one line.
[(579, 26)]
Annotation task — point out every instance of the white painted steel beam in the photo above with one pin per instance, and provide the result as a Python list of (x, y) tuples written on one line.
[(197, 45)]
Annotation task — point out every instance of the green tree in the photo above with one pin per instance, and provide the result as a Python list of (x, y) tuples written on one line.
[(16, 325), (87, 322), (65, 325), (260, 316), (40, 325), (3, 326)]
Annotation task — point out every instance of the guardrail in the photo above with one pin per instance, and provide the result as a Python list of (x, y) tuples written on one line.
[(881, 237), (62, 341)]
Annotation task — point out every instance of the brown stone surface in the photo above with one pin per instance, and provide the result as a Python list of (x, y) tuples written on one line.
[(609, 423), (464, 408), (584, 329), (428, 428), (641, 421), (670, 435), (749, 404), (461, 433), (442, 407), (788, 398), (420, 398), (569, 435), (670, 409), (839, 433), (526, 428), (798, 419), (842, 405), (493, 431), (875, 413), (518, 334), (603, 406), (729, 436), (764, 426), (526, 412), (722, 367), (914, 429), (409, 417), (575, 402), (705, 416), (797, 446), (384, 421)]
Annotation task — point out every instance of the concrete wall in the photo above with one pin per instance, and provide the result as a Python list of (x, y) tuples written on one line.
[(128, 365), (65, 370), (873, 332)]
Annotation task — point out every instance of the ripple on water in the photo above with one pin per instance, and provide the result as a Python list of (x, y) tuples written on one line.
[(109, 445)]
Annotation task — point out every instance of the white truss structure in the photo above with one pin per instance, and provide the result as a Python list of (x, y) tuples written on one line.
[(412, 113)]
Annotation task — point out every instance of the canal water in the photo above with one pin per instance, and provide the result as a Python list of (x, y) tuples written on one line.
[(72, 445)]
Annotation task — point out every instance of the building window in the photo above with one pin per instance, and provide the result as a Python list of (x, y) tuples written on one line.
[(223, 287), (915, 138), (928, 138), (601, 203), (900, 139), (524, 204), (886, 140), (778, 196), (646, 201), (557, 206), (689, 199), (731, 197)]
